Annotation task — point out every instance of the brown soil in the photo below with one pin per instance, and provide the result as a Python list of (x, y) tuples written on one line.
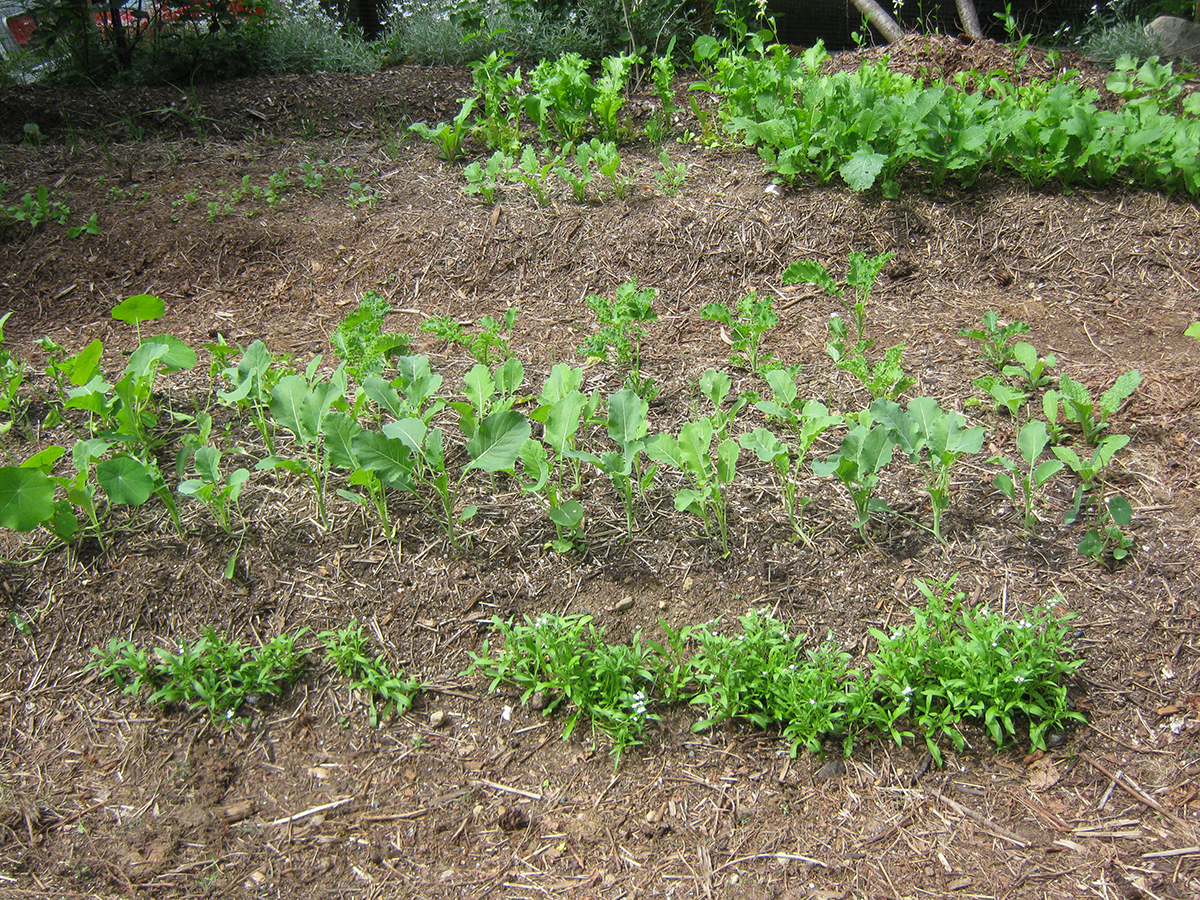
[(103, 796)]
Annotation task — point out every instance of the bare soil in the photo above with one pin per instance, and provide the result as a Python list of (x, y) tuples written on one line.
[(102, 796)]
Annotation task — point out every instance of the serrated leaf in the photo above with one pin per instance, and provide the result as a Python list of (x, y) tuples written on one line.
[(861, 169)]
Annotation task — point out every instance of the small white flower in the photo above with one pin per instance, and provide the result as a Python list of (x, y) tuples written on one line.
[(907, 692), (1019, 679)]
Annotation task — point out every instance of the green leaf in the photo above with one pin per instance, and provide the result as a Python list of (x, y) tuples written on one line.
[(627, 417), (294, 406), (388, 458), (26, 498), (1120, 511), (569, 515), (125, 480), (808, 271), (139, 308), (1193, 330), (496, 445), (861, 169), (1032, 440), (178, 356)]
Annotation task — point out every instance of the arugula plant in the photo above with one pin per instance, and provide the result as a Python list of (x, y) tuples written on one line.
[(1027, 477), (884, 378), (862, 455), (449, 136), (579, 180), (486, 345), (360, 343), (995, 339), (954, 663), (745, 324), (934, 440), (566, 660), (214, 673), (1089, 415), (38, 207), (672, 176), (386, 692)]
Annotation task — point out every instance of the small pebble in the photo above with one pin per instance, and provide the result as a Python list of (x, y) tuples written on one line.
[(437, 718)]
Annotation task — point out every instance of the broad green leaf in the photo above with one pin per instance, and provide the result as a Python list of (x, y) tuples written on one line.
[(340, 431), (410, 431), (695, 439), (295, 407), (715, 385), (1120, 511), (627, 417), (766, 446), (139, 308), (145, 358), (85, 365), (536, 463), (510, 376), (479, 388), (563, 380), (248, 374), (861, 169), (125, 480), (44, 460), (496, 445), (388, 458), (178, 356), (664, 448), (1046, 471), (26, 498), (208, 463), (563, 421), (384, 395), (783, 386), (727, 454), (1032, 440), (569, 515)]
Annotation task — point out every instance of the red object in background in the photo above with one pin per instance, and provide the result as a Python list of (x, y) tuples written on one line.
[(21, 27)]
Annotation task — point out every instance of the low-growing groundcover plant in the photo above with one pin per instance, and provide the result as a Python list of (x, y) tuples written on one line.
[(953, 664)]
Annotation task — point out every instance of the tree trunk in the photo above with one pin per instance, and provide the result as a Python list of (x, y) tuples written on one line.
[(882, 22), (969, 19)]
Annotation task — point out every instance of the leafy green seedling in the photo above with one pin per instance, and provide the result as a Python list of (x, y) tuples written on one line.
[(1005, 396), (672, 176), (621, 319), (251, 382), (995, 338), (448, 136), (12, 376), (535, 174), (860, 278), (745, 324), (1031, 368), (1108, 537), (627, 427), (885, 378), (1088, 470), (1193, 331), (580, 180), (484, 178), (486, 345), (360, 343), (934, 440), (692, 452), (386, 692), (1092, 417), (1032, 476), (863, 454), (610, 94), (219, 493)]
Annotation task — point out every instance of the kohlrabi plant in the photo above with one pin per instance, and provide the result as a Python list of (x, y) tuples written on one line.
[(627, 428), (1107, 538), (1088, 470), (934, 441), (1031, 368), (1022, 480), (862, 455)]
